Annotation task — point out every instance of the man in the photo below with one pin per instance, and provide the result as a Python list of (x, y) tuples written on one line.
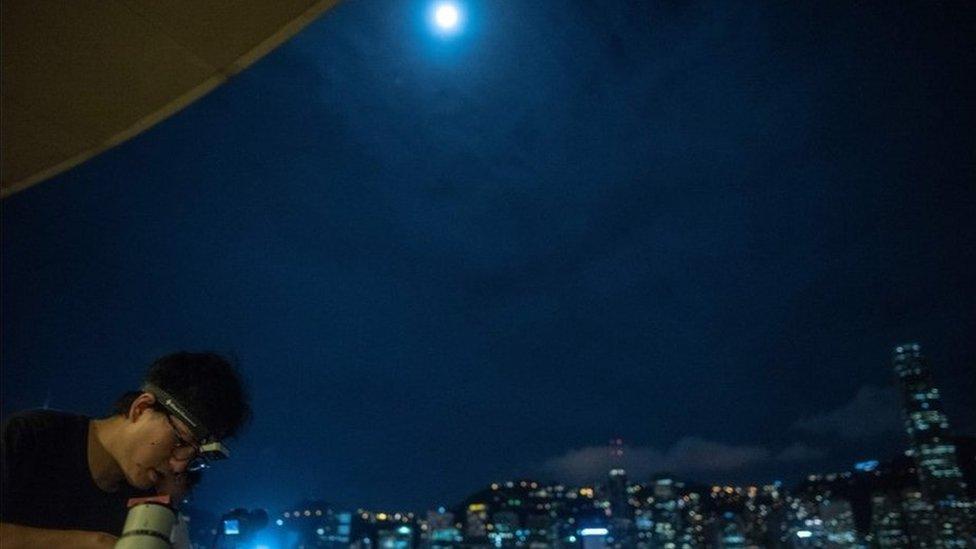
[(66, 478)]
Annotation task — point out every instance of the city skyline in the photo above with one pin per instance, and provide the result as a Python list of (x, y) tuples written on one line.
[(919, 499), (908, 407)]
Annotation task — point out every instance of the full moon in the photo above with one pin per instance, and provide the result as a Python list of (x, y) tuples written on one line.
[(446, 16)]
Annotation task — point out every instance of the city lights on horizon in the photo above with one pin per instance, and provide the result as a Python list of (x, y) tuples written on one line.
[(667, 510)]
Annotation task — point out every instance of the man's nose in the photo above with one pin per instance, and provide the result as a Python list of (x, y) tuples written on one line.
[(178, 465)]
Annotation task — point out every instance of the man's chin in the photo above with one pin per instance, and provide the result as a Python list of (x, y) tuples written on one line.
[(142, 481)]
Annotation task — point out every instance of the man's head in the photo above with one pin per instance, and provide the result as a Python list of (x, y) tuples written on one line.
[(187, 399)]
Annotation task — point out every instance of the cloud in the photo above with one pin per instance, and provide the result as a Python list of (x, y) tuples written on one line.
[(799, 451), (872, 411), (695, 454), (688, 455)]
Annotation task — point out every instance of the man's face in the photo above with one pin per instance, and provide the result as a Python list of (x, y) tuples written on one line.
[(158, 445)]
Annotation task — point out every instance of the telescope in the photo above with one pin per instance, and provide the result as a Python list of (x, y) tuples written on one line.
[(149, 524)]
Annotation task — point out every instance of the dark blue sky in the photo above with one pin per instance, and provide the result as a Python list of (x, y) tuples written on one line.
[(443, 262)]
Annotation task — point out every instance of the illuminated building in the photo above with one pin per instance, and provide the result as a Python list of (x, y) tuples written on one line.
[(920, 518), (618, 505), (394, 537), (617, 494), (505, 529), (383, 530), (887, 522), (315, 524), (644, 526), (476, 523), (927, 426), (822, 513), (517, 514), (730, 533), (594, 537), (692, 533), (669, 515), (440, 531), (939, 475), (838, 523), (665, 512), (753, 509)]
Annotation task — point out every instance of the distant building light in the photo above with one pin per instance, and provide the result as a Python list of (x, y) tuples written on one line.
[(232, 527), (866, 466), (279, 522), (320, 531), (803, 533), (403, 530), (594, 532)]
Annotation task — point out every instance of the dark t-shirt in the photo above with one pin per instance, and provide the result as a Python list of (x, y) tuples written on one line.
[(46, 480)]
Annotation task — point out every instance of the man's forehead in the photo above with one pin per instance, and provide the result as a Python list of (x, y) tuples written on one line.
[(182, 427)]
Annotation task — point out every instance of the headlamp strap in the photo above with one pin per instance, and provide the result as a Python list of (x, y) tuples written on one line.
[(180, 411)]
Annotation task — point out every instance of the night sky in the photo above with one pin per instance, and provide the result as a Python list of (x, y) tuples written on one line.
[(447, 260)]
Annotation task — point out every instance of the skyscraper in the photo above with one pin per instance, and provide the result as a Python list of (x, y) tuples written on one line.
[(939, 475), (888, 522), (927, 426), (617, 495)]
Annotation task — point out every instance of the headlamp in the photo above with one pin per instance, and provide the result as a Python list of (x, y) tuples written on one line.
[(211, 449)]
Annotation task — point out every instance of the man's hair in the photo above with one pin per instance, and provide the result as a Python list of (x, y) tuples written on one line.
[(206, 383)]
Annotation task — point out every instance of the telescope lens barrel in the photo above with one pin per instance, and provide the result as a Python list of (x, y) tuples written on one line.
[(148, 526)]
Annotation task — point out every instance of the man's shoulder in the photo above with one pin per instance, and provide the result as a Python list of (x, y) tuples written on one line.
[(47, 483), (39, 422), (41, 440), (44, 418)]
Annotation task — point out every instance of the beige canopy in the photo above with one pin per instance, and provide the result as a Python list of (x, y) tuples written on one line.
[(80, 76)]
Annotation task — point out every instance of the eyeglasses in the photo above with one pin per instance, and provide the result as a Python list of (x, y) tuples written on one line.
[(183, 449)]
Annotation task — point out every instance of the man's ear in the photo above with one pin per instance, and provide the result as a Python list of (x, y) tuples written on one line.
[(139, 406)]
